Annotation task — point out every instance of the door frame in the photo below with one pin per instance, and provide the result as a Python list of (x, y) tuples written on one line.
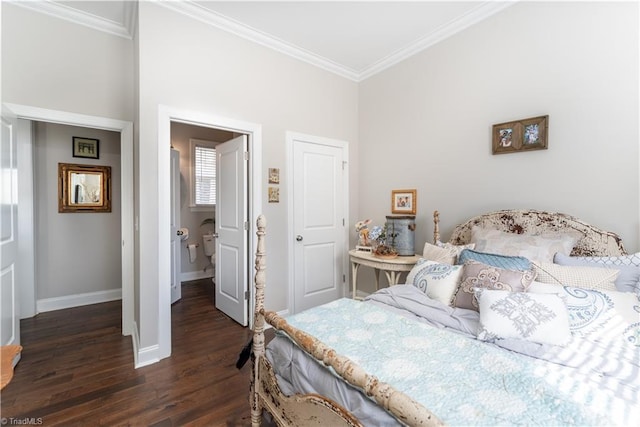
[(166, 115), (125, 128), (291, 137)]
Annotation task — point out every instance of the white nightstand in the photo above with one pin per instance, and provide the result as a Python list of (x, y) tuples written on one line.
[(393, 268)]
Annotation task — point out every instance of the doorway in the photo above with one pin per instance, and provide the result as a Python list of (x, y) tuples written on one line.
[(26, 224), (193, 202), (167, 116)]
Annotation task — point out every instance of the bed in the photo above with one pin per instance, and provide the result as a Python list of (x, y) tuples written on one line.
[(424, 353)]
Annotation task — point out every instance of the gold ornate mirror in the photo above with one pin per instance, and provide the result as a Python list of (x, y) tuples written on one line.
[(83, 188)]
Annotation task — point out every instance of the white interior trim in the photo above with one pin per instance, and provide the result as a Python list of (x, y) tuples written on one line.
[(166, 115), (196, 275), (194, 10), (77, 300), (56, 9), (26, 222), (482, 11), (143, 356), (126, 164), (202, 14)]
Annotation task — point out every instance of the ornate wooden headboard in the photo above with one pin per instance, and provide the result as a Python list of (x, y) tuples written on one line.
[(594, 241)]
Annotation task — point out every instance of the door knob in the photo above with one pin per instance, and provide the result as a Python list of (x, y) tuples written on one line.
[(299, 238)]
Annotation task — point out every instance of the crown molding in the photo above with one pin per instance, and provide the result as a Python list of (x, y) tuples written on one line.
[(193, 10), (67, 13), (202, 14), (481, 12)]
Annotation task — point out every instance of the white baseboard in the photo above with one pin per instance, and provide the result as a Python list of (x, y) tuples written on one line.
[(142, 356), (196, 275), (68, 301)]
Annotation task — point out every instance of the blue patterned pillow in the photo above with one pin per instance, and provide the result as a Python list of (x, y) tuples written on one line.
[(501, 261), (438, 281), (594, 312)]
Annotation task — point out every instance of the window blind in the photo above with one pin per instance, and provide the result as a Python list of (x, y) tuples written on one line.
[(205, 175)]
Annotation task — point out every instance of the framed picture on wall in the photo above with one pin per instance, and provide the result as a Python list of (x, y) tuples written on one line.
[(87, 148), (403, 202), (521, 135)]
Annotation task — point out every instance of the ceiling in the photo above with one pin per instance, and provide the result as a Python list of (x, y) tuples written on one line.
[(355, 39)]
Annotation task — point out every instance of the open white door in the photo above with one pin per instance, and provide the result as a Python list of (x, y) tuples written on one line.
[(10, 322), (231, 278), (176, 239), (319, 188)]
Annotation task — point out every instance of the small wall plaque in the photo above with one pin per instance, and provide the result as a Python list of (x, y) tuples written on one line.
[(87, 148)]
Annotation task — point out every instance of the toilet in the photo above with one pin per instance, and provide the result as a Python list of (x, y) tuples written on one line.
[(210, 248)]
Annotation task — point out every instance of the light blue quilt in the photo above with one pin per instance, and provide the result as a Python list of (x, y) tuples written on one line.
[(464, 381)]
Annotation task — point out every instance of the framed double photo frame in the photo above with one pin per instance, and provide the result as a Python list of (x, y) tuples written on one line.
[(521, 135)]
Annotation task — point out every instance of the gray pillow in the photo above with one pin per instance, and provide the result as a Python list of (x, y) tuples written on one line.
[(628, 280)]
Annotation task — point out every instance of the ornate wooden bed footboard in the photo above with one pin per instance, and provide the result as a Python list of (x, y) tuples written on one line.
[(312, 409)]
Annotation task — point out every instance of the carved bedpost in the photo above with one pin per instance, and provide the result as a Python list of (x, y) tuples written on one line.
[(436, 227), (258, 324)]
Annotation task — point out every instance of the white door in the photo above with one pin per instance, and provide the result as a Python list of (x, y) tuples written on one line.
[(176, 247), (232, 266), (319, 217), (10, 323)]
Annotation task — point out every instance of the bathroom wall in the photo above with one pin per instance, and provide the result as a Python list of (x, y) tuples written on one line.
[(189, 217), (75, 253)]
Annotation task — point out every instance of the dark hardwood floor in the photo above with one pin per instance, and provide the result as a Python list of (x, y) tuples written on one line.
[(77, 369)]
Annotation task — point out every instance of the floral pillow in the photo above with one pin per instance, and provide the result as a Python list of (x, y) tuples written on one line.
[(540, 318), (478, 275), (439, 281), (536, 248)]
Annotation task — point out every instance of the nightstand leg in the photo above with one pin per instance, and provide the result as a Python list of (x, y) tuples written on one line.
[(377, 274), (354, 277), (391, 277)]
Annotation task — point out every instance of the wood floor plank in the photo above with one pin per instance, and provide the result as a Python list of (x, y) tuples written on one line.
[(77, 369)]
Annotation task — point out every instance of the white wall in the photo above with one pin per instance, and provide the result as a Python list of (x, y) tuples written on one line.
[(212, 72), (76, 253), (51, 63), (426, 123)]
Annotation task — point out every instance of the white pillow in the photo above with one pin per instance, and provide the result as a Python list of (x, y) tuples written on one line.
[(540, 318), (576, 276), (438, 254), (453, 250), (536, 248), (438, 281), (608, 314)]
